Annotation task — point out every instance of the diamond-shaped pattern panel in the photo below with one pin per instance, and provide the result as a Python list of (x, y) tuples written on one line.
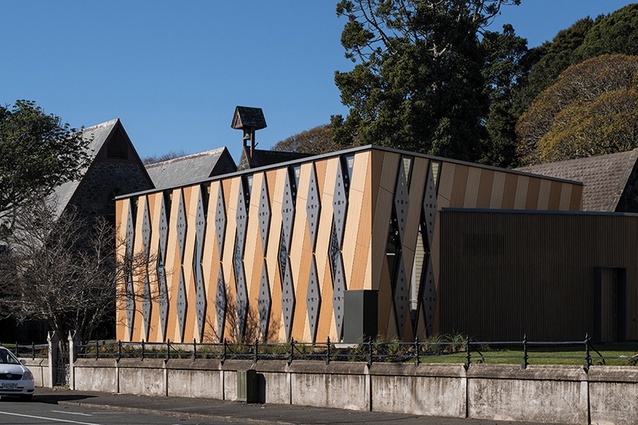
[(161, 270), (429, 298), (200, 292), (429, 204), (220, 221), (146, 305), (339, 205), (264, 215), (287, 211), (241, 302), (264, 302), (181, 225), (401, 201), (312, 207), (401, 296), (181, 304), (130, 298), (313, 299), (220, 304), (189, 223), (287, 298), (338, 291)]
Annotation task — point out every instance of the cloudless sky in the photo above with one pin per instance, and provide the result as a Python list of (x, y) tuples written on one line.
[(173, 71)]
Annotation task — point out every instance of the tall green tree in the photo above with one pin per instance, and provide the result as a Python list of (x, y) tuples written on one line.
[(507, 64), (417, 83), (37, 153), (592, 109)]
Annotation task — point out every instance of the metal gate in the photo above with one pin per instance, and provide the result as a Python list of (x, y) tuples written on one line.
[(62, 368)]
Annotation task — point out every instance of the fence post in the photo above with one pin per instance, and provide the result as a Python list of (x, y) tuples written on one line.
[(292, 351), (328, 351), (119, 350), (224, 352), (468, 355), (416, 350), (370, 352), (194, 349), (142, 350), (74, 346), (168, 349), (52, 340), (587, 354), (525, 356), (97, 349)]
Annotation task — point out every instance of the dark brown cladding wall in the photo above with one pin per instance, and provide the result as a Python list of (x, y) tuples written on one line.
[(505, 274)]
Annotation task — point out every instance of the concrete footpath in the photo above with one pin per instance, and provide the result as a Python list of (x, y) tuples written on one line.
[(228, 411)]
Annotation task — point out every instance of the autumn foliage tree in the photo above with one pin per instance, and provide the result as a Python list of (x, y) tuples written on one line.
[(317, 140), (592, 109)]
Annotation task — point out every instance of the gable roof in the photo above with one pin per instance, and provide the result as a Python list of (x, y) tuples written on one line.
[(262, 158), (97, 136), (191, 168), (604, 177)]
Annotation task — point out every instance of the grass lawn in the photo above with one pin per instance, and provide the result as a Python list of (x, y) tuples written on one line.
[(613, 354)]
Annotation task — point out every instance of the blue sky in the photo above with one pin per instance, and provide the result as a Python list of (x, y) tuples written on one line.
[(173, 71)]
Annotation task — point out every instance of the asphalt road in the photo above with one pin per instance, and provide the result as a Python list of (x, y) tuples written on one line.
[(61, 406), (15, 412)]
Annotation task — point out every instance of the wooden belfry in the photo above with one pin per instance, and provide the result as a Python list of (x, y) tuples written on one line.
[(249, 120)]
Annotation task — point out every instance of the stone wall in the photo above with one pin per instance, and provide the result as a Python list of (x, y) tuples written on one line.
[(558, 394)]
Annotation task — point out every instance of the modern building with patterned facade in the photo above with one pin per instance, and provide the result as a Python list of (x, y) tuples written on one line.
[(273, 251)]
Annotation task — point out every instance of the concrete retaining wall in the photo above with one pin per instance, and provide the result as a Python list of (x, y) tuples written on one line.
[(565, 394), (40, 370)]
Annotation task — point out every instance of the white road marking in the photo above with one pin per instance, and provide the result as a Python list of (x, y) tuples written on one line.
[(44, 418), (71, 413)]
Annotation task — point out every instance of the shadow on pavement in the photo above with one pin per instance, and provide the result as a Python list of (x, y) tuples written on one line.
[(56, 398)]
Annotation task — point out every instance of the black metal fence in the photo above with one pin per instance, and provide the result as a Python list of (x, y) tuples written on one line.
[(28, 351), (455, 350)]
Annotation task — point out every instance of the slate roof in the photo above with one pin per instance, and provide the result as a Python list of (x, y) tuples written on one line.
[(97, 135), (191, 168), (262, 158), (604, 177)]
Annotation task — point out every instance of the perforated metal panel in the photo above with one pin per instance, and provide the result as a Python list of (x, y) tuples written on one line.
[(146, 242), (429, 204), (339, 205), (264, 214), (181, 304), (146, 227), (287, 286), (238, 255), (146, 305), (287, 293), (401, 200), (220, 220), (220, 304), (401, 296), (181, 225), (162, 301), (429, 297), (428, 291), (130, 300), (200, 291), (313, 206), (338, 282), (313, 299), (287, 211), (264, 301), (161, 268)]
